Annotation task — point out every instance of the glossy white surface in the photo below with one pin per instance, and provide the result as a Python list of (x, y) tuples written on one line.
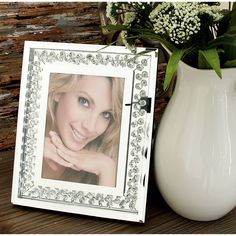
[(195, 149)]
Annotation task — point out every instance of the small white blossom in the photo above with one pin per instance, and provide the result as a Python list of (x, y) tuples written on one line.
[(124, 37), (177, 20), (112, 12), (213, 11), (180, 21), (129, 17)]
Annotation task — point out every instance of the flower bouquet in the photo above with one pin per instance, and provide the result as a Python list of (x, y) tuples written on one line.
[(201, 34)]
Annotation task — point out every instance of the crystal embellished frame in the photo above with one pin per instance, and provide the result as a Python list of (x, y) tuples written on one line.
[(125, 201)]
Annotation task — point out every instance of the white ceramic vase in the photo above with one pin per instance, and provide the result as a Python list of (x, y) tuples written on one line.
[(195, 149)]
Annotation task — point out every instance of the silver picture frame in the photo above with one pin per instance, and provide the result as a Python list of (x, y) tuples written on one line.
[(127, 199)]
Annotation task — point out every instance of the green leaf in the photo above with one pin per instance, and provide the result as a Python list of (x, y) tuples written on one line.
[(141, 34), (115, 27), (174, 59), (225, 39), (233, 14), (202, 62), (230, 50), (160, 39), (232, 30), (231, 63), (212, 58)]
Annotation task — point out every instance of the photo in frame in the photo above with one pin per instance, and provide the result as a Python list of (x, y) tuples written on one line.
[(84, 129)]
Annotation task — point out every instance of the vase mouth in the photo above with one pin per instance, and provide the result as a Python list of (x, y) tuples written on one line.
[(183, 64), (227, 73)]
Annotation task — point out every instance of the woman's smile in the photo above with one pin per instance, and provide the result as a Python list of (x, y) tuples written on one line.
[(78, 136)]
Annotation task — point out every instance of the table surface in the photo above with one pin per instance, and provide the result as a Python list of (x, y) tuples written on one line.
[(78, 23)]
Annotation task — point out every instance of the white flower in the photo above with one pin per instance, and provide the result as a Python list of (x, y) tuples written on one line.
[(213, 11), (129, 17), (124, 37), (112, 12), (178, 21)]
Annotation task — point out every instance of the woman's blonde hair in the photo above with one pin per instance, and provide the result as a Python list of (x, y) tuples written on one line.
[(108, 142)]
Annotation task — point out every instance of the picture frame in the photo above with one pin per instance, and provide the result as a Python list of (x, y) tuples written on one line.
[(126, 198)]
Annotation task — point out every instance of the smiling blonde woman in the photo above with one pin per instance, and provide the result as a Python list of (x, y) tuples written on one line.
[(83, 128)]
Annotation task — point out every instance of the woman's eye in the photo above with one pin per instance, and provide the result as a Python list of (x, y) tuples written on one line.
[(107, 115), (84, 102)]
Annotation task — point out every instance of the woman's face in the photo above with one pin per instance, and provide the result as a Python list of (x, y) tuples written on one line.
[(84, 113)]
